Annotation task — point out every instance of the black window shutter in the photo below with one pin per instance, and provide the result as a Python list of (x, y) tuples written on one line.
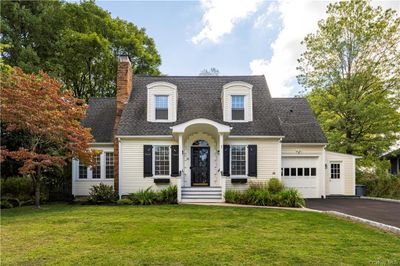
[(227, 155), (148, 160), (252, 160), (174, 160)]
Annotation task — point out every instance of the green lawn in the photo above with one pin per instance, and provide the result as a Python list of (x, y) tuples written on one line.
[(187, 235)]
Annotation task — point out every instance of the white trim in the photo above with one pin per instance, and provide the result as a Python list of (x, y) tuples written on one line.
[(345, 154), (304, 144), (161, 83), (182, 127), (302, 155), (254, 137), (119, 167), (237, 83), (145, 137)]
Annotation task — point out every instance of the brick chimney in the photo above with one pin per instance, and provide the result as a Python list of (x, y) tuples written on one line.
[(124, 88)]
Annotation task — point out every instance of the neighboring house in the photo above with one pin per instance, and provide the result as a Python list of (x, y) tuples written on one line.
[(394, 158), (207, 134)]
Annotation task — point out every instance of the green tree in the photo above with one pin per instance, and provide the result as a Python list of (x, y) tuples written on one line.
[(351, 68), (75, 42)]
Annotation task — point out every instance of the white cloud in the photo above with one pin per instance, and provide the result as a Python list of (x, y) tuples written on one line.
[(298, 19), (220, 16)]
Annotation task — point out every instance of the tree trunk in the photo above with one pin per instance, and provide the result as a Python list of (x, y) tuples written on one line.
[(37, 189)]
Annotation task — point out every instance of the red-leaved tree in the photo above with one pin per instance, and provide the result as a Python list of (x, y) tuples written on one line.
[(50, 119)]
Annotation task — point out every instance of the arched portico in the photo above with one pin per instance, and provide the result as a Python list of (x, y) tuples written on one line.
[(200, 166)]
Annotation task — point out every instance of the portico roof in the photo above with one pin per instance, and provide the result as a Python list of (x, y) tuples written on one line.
[(221, 128)]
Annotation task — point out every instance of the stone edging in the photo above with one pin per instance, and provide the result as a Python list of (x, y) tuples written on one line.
[(381, 199), (385, 227)]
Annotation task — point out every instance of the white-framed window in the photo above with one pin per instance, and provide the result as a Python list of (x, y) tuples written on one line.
[(109, 165), (238, 160), (83, 171), (237, 107), (335, 170), (161, 107), (161, 160), (96, 169)]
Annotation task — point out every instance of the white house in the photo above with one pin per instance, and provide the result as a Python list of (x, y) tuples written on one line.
[(207, 135)]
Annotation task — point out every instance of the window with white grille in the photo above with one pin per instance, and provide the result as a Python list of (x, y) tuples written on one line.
[(109, 165), (335, 170), (161, 160), (96, 170), (238, 160)]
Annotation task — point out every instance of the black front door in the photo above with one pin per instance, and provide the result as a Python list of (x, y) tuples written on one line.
[(200, 166)]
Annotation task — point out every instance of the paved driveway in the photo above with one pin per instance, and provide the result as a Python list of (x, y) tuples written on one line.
[(379, 211)]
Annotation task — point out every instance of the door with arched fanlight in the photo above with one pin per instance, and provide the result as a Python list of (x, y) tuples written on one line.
[(200, 163)]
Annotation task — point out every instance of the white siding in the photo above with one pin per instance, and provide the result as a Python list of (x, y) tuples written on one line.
[(268, 160), (131, 177), (347, 169)]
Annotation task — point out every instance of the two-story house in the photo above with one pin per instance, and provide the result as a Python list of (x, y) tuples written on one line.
[(206, 135)]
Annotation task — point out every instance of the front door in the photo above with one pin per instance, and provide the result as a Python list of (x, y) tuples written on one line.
[(200, 166)]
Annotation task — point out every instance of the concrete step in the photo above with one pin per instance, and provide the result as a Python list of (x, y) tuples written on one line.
[(201, 192), (201, 189), (201, 200)]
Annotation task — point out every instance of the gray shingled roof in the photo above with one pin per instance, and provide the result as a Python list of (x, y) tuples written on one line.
[(298, 121), (199, 97), (100, 117)]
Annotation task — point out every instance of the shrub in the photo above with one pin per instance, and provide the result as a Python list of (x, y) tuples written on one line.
[(275, 185), (168, 195), (263, 198), (19, 187), (144, 197), (290, 198), (384, 186), (232, 196), (102, 193), (124, 201), (5, 204)]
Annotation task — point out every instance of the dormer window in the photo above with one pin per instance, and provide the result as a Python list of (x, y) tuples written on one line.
[(237, 107), (161, 107), (162, 102), (237, 102)]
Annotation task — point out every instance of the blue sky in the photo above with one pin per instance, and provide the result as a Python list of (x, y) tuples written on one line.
[(238, 37), (173, 24)]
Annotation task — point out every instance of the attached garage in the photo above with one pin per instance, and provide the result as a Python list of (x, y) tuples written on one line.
[(302, 173)]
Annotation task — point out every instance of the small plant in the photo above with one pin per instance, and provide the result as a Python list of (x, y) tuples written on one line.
[(124, 201), (291, 198), (232, 196), (144, 197), (102, 193), (168, 195), (275, 185), (263, 198)]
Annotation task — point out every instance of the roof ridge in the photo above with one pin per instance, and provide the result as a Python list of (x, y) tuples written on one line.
[(194, 76)]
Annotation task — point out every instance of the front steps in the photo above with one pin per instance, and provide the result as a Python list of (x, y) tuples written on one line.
[(201, 194)]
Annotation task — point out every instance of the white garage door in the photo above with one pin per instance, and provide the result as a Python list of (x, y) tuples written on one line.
[(301, 173)]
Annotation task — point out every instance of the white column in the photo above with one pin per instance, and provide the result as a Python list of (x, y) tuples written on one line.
[(221, 165), (181, 174), (221, 152), (180, 150)]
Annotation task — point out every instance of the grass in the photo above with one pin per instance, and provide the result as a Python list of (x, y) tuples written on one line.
[(187, 235)]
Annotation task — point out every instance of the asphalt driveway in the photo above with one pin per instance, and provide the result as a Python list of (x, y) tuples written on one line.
[(378, 211)]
